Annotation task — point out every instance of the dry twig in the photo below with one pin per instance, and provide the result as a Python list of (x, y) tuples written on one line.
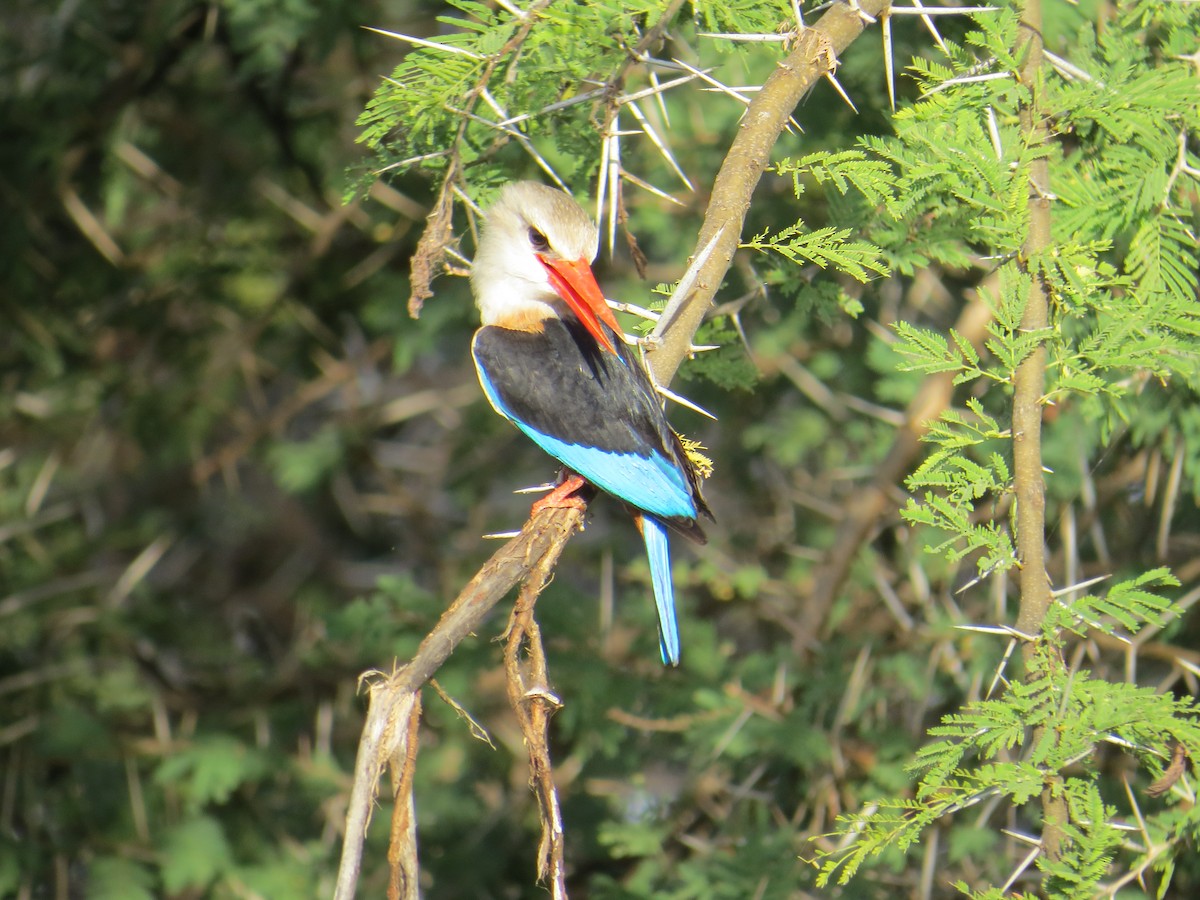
[(529, 693)]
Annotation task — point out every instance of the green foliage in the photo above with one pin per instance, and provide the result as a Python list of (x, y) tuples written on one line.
[(111, 878), (1127, 604), (210, 770), (417, 111), (826, 247), (195, 852), (865, 182), (963, 470), (1122, 271)]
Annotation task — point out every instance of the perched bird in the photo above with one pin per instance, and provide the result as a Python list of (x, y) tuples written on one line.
[(552, 360)]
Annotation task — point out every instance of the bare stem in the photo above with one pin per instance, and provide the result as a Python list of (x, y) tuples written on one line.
[(531, 699), (1028, 387)]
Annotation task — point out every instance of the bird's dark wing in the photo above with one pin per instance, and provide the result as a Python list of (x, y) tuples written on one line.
[(595, 412)]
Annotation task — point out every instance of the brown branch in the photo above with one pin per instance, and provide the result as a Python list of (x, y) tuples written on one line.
[(1028, 387), (404, 883)]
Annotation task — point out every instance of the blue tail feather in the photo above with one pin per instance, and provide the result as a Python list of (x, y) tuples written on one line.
[(658, 551)]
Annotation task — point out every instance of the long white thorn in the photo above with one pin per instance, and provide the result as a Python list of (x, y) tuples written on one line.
[(554, 107), (512, 8), (966, 79), (537, 488), (723, 88), (421, 42), (932, 29), (888, 60), (659, 89), (614, 184), (838, 87), (684, 288), (647, 186), (632, 309), (658, 142), (994, 133), (521, 139), (862, 13), (466, 199), (925, 11), (1069, 70), (1070, 589), (602, 181), (658, 98), (772, 38), (1021, 867), (683, 401), (799, 14), (437, 154)]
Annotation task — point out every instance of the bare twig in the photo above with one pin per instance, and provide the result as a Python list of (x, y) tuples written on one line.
[(1028, 387), (404, 883), (531, 699)]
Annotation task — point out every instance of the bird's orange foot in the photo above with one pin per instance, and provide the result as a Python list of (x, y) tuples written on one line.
[(561, 497)]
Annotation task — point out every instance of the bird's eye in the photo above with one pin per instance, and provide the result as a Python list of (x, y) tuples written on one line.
[(538, 240)]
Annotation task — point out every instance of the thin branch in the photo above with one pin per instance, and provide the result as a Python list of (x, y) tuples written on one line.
[(404, 883), (1029, 486), (534, 704)]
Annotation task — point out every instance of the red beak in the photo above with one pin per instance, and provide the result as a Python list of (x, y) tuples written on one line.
[(576, 284)]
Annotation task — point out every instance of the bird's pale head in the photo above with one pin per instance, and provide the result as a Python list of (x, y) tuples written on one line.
[(533, 260)]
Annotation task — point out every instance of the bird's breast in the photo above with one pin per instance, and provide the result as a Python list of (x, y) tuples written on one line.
[(527, 319)]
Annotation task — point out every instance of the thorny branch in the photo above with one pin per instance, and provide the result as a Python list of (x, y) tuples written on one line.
[(532, 555), (1028, 388), (812, 58)]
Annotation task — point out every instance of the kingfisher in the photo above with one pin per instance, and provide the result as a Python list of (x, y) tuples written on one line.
[(552, 359)]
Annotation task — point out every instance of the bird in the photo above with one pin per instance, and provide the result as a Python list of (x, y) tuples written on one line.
[(552, 359)]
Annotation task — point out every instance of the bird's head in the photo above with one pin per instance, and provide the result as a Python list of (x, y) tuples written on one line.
[(534, 259)]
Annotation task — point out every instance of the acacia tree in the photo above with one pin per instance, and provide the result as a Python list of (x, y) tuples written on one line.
[(1059, 190)]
